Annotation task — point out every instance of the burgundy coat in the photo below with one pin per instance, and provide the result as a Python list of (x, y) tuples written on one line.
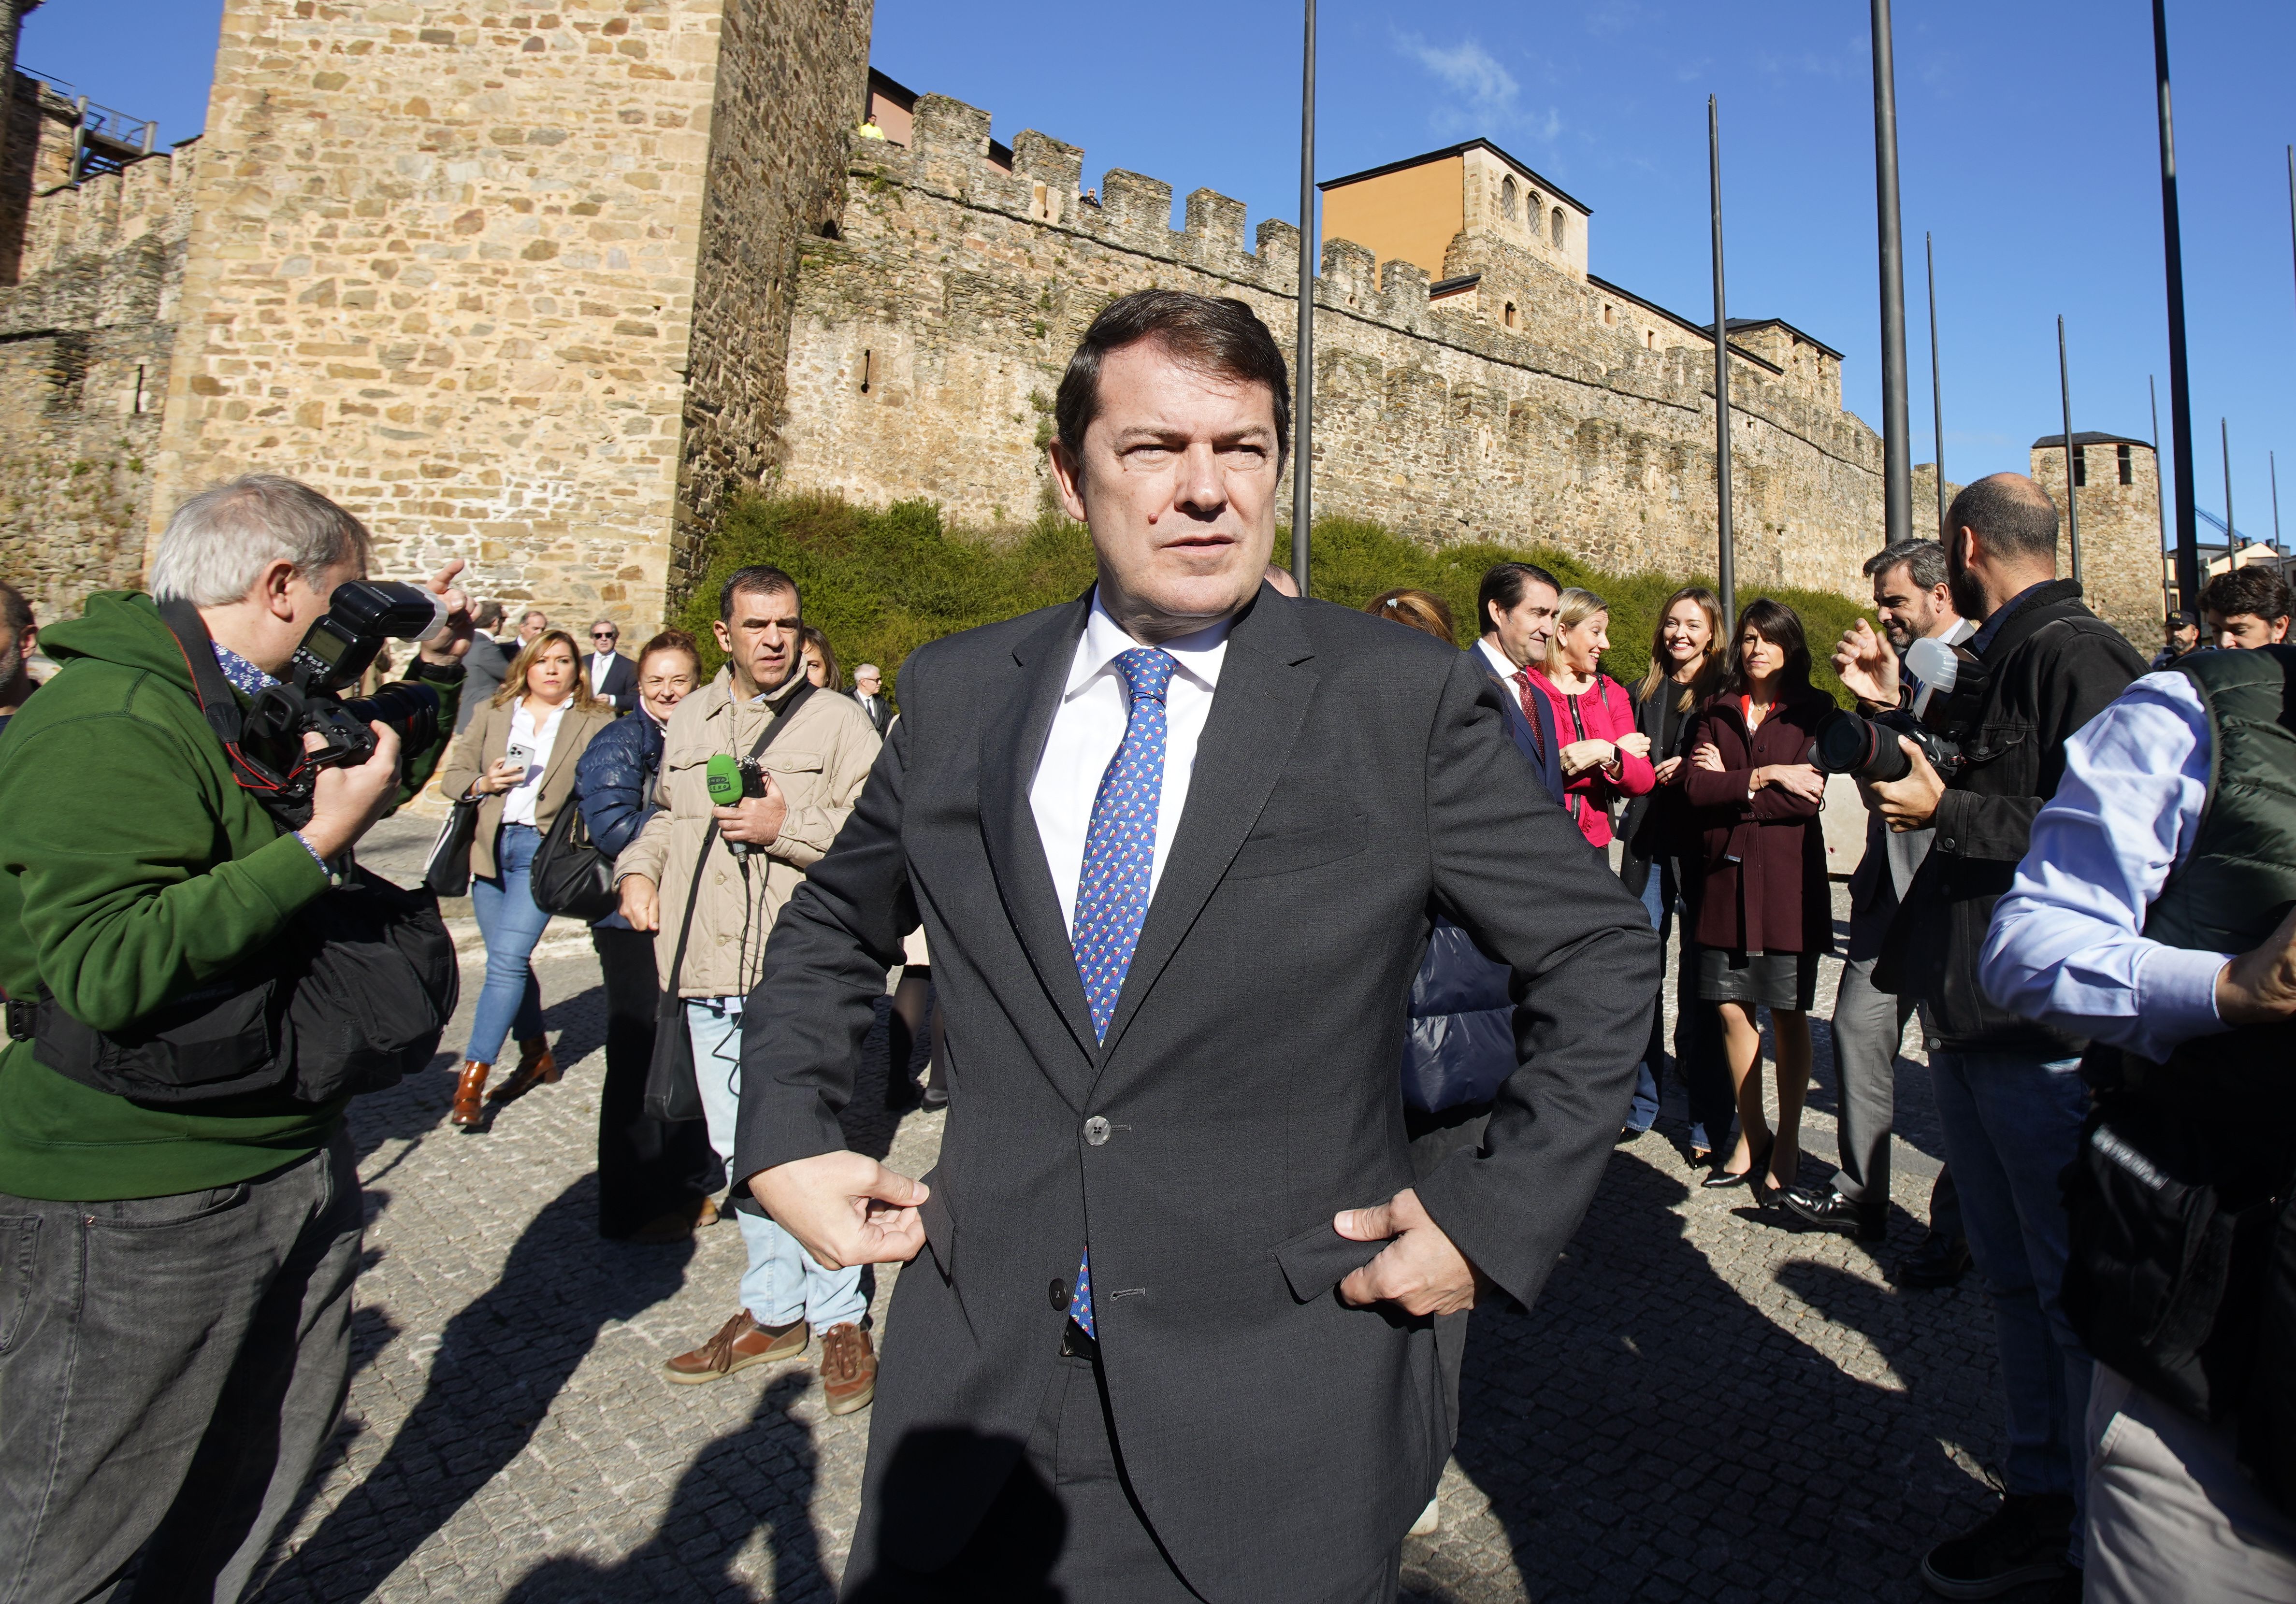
[(1764, 887)]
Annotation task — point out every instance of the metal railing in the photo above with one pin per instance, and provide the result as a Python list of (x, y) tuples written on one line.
[(104, 139)]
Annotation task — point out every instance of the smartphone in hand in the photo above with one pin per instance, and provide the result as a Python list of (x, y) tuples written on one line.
[(523, 756)]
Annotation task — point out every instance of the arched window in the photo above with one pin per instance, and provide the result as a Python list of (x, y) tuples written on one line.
[(1506, 198), (1555, 224)]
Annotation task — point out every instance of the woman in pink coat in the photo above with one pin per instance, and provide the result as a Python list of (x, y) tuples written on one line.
[(1605, 759)]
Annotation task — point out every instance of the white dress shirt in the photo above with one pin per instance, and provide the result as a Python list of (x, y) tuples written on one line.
[(601, 663), (2066, 945), (1088, 728), (518, 802)]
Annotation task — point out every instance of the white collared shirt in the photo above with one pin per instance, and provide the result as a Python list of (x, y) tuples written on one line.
[(519, 801), (601, 663), (1088, 728), (1498, 659)]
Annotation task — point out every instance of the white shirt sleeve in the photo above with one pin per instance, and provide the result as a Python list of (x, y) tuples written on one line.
[(2067, 944)]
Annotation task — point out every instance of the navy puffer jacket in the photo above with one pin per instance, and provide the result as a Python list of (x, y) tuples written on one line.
[(613, 783), (1461, 1043)]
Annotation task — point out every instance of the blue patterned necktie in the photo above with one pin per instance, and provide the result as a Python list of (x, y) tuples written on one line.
[(1120, 850)]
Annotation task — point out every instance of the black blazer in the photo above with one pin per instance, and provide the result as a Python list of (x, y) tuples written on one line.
[(620, 687), (1354, 780)]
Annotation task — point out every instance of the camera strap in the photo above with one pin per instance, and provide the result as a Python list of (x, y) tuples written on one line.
[(218, 704)]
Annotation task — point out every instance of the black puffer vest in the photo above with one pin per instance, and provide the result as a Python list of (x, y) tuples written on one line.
[(2182, 1201)]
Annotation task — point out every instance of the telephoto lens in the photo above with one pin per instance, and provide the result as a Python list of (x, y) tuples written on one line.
[(1848, 744), (410, 709)]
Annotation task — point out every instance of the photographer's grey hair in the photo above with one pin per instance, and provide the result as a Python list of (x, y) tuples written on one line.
[(217, 544), (1925, 561)]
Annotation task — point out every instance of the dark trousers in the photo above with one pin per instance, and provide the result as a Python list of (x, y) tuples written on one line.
[(171, 1369), (1066, 1526), (646, 1166), (1699, 1059)]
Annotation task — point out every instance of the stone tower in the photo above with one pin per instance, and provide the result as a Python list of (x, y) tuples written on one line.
[(2117, 490), (511, 282)]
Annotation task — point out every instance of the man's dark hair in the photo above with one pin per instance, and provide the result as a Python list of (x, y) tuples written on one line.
[(1781, 627), (1924, 559), (15, 612), (757, 576), (1503, 584), (1213, 335), (2012, 514), (2257, 591), (487, 615)]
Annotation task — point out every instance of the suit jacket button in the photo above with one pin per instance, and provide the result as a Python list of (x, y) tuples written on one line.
[(1058, 1294), (1096, 1130)]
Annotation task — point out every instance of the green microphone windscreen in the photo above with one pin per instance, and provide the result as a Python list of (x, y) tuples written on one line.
[(724, 780)]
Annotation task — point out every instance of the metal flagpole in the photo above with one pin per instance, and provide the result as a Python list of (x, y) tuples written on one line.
[(2065, 395), (2232, 535), (2272, 462), (2180, 389), (1897, 457), (1729, 565), (1937, 384), (2292, 199), (1303, 384), (2159, 502)]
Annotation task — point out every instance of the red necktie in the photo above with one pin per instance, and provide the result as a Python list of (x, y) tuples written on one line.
[(1531, 709)]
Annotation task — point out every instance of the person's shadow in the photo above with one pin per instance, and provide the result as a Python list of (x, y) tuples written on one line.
[(1648, 1423), (520, 1339)]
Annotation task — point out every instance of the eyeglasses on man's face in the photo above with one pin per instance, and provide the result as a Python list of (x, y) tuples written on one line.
[(603, 634)]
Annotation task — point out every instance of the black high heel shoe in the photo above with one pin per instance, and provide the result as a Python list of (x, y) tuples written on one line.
[(1721, 1178)]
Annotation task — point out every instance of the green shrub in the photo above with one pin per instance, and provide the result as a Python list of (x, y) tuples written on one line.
[(881, 581)]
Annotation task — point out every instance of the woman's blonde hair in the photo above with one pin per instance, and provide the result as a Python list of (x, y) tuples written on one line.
[(1417, 610), (513, 685), (1710, 669), (1572, 609)]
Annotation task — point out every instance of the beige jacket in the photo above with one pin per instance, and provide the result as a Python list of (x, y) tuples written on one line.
[(820, 763), (481, 745)]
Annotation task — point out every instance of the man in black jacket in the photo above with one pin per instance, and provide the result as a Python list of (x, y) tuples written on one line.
[(1177, 845), (2010, 1096)]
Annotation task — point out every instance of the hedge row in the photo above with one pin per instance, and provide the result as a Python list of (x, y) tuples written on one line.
[(881, 581)]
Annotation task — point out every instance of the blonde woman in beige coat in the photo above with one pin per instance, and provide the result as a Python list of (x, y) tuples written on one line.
[(517, 754)]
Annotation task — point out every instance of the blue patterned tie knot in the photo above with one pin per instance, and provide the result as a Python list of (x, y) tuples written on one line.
[(1120, 852)]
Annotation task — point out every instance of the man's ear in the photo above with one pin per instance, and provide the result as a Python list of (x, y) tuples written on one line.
[(1068, 478), (724, 636), (276, 578)]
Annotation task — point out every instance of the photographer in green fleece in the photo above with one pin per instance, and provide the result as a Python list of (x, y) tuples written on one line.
[(174, 1280)]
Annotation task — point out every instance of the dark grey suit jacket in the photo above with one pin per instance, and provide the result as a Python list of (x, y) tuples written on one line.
[(483, 667), (1353, 781)]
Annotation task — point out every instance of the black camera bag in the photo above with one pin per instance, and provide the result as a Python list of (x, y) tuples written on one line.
[(353, 994)]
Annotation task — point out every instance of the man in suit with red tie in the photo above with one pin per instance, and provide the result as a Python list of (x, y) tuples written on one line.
[(1168, 1334), (1518, 602)]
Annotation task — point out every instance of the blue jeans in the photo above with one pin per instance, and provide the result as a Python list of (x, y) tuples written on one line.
[(784, 1284), (511, 1000), (1698, 1056), (2012, 1123)]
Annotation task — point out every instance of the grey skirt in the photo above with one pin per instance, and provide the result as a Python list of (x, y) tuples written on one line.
[(1780, 980)]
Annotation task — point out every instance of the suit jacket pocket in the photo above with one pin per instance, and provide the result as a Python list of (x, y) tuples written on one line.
[(1319, 1258), (1300, 849), (940, 1225)]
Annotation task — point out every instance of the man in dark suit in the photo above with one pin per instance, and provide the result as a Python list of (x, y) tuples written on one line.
[(489, 661), (1518, 602), (613, 677), (1176, 846), (869, 691)]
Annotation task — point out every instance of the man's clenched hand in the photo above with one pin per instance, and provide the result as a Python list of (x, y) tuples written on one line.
[(1419, 1270), (844, 1209)]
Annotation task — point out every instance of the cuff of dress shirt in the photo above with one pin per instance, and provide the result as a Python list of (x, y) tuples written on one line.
[(2177, 994)]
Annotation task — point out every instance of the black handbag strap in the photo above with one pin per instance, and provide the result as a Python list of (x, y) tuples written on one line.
[(710, 838)]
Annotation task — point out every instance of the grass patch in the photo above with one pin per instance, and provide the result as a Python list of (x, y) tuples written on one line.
[(881, 581)]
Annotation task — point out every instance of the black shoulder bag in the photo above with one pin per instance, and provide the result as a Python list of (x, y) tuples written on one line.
[(353, 994), (673, 1091), (571, 876)]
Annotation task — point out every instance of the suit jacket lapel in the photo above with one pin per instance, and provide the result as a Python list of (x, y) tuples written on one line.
[(1012, 741), (1256, 712)]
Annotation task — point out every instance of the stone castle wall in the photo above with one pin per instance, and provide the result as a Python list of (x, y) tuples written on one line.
[(2120, 537), (929, 339), (88, 294)]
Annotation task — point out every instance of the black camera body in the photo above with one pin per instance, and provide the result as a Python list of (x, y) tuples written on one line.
[(361, 614), (1943, 714)]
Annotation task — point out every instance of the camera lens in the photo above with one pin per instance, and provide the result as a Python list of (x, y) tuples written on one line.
[(1847, 744), (411, 710)]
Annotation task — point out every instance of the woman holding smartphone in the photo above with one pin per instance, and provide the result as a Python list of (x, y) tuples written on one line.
[(518, 755)]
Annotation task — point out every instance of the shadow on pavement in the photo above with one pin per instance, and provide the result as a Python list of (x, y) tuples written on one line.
[(760, 1478), (499, 1364), (1649, 1426)]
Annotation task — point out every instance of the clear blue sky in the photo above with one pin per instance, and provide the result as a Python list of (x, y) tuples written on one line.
[(2027, 140)]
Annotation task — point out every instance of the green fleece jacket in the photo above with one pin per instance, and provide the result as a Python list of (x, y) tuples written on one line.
[(134, 870)]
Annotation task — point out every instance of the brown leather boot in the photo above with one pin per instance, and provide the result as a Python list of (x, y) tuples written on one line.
[(739, 1343), (848, 1369), (467, 1111), (537, 1066)]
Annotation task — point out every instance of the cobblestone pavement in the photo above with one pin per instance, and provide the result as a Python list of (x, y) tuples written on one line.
[(1706, 1402)]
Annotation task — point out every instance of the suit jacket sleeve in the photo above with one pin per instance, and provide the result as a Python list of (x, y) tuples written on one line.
[(1518, 876), (465, 758), (821, 974)]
